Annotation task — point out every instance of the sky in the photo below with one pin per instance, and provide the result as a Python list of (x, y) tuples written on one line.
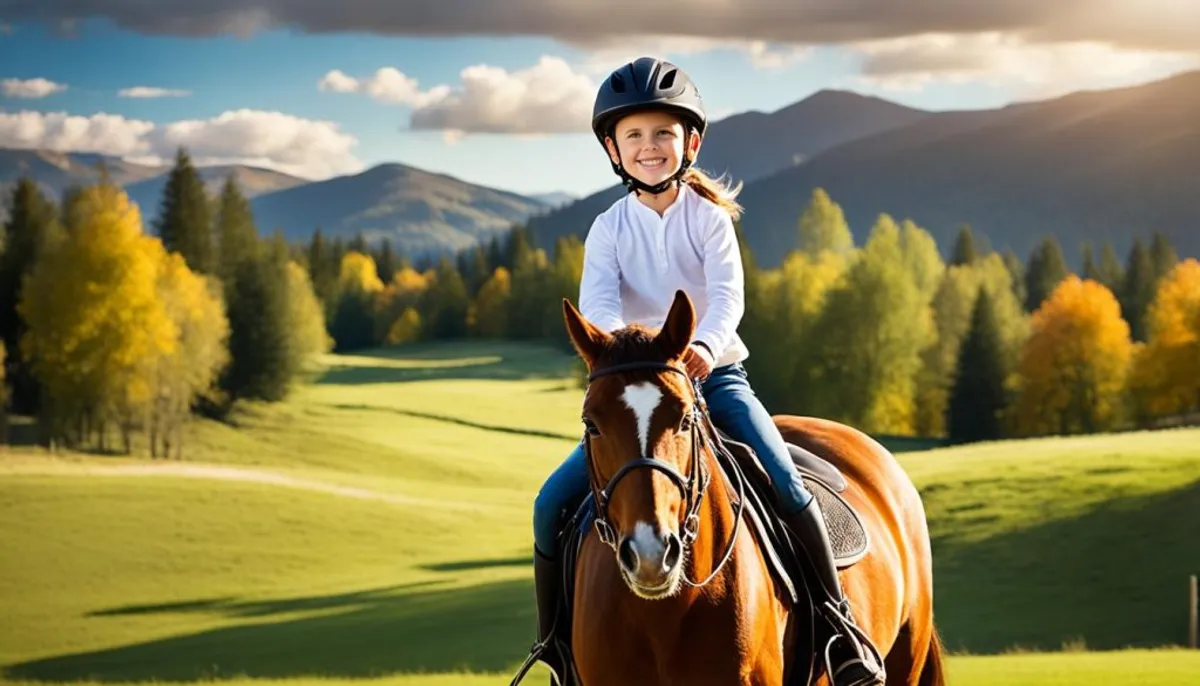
[(499, 92)]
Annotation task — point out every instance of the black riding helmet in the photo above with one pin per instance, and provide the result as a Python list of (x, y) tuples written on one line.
[(644, 84)]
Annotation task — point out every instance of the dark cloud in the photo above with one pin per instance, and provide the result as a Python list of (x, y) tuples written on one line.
[(1148, 24)]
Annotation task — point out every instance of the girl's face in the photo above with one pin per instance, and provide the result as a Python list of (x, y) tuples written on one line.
[(650, 145)]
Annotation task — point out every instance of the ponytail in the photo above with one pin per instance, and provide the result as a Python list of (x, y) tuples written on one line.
[(715, 191)]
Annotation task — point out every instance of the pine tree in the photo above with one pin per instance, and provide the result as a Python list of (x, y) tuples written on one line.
[(444, 305), (185, 217), (1017, 271), (1163, 256), (823, 226), (518, 249), (322, 270), (1110, 272), (32, 226), (236, 233), (1137, 290), (965, 251), (261, 362), (977, 396), (385, 262), (1047, 267), (1089, 270)]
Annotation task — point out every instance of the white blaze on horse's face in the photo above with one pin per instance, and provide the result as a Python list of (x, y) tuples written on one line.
[(647, 559), (643, 398)]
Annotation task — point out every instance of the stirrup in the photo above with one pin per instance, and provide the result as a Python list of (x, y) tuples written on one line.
[(535, 656), (861, 646)]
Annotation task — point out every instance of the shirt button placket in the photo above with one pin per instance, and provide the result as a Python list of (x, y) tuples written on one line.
[(663, 265)]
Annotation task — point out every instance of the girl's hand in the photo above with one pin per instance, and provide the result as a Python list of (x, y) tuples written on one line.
[(697, 362)]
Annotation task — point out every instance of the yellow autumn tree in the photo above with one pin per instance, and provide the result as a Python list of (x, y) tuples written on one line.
[(488, 315), (1074, 364), (401, 294), (306, 319), (189, 368), (406, 328), (1166, 372), (797, 294), (95, 321)]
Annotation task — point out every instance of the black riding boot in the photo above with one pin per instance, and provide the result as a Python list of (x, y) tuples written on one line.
[(850, 658), (546, 579)]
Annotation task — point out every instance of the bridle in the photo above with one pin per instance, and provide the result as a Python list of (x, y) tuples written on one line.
[(692, 487)]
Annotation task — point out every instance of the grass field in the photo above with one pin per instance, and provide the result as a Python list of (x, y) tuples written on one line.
[(377, 526)]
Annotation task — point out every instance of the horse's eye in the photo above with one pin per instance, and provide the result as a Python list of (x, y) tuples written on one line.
[(591, 427)]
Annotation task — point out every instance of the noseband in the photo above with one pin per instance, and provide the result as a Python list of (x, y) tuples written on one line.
[(692, 487)]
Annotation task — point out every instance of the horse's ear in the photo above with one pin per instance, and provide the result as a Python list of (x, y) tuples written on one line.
[(589, 340), (677, 330)]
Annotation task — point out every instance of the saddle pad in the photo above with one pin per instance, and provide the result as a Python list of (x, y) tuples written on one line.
[(847, 537)]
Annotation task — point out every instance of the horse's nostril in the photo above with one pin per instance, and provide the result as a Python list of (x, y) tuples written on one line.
[(674, 551), (628, 557)]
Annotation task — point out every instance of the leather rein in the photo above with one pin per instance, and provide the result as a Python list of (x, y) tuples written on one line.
[(692, 487)]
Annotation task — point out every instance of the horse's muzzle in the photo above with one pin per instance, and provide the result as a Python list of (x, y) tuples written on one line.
[(651, 560)]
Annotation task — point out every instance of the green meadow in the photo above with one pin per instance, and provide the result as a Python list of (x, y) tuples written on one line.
[(376, 526)]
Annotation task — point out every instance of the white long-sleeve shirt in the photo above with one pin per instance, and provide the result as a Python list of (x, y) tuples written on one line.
[(634, 261)]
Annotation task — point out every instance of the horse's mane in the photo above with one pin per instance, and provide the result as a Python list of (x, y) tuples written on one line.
[(633, 343)]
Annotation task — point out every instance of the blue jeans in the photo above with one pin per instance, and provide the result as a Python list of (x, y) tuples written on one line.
[(734, 409)]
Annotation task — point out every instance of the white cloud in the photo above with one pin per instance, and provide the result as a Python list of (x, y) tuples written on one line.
[(109, 134), (303, 147), (152, 92), (31, 88), (387, 85), (547, 97), (998, 59)]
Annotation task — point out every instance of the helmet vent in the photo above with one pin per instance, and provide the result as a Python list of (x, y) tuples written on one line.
[(618, 83), (668, 80)]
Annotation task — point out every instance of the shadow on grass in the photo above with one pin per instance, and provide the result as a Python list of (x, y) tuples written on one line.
[(459, 421), (232, 608), (1112, 578), (357, 635), (468, 565), (512, 362)]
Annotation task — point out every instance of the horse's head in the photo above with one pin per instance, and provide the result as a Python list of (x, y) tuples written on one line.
[(643, 444)]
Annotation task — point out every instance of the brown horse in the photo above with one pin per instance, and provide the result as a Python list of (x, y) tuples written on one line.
[(672, 586)]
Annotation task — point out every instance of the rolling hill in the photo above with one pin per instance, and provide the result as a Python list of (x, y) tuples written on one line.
[(420, 210), (254, 181), (56, 171), (751, 145)]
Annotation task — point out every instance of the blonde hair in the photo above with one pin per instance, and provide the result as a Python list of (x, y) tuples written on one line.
[(716, 191)]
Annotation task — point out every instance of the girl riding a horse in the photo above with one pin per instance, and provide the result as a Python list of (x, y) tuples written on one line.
[(674, 231)]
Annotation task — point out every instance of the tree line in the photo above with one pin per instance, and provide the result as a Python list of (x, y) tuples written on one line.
[(112, 331), (887, 336)]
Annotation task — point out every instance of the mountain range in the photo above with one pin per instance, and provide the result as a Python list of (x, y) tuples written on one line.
[(1088, 166), (1105, 165)]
